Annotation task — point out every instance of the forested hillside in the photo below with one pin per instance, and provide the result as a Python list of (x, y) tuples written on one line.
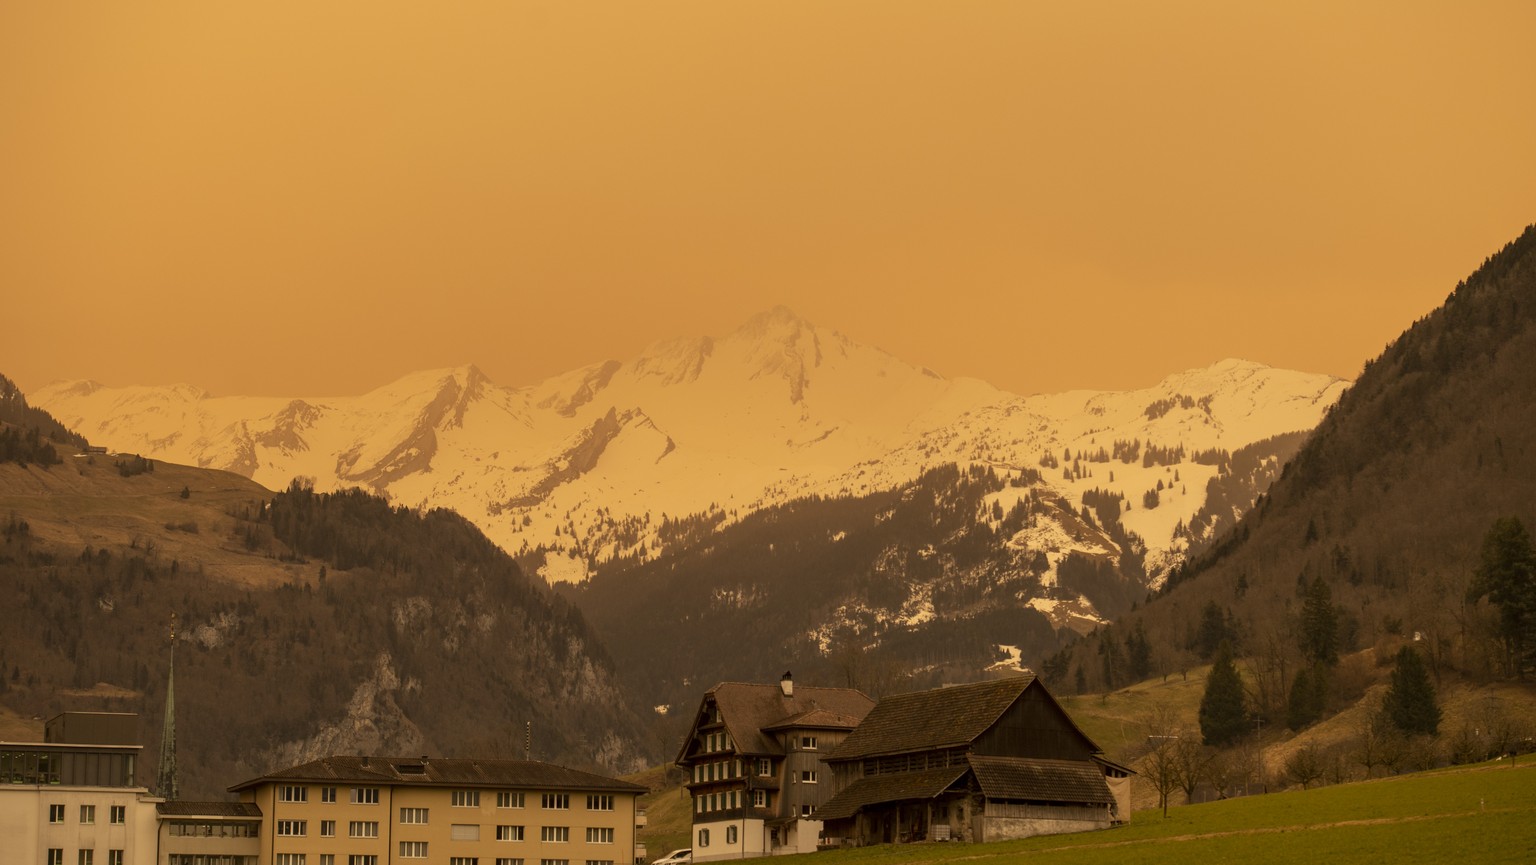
[(1376, 528), (28, 434), (320, 624)]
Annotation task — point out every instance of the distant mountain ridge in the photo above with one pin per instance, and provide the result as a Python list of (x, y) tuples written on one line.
[(592, 463)]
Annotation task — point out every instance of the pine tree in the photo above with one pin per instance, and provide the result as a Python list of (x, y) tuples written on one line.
[(1506, 576), (1308, 694), (1223, 718), (1319, 625), (1138, 653), (1410, 703)]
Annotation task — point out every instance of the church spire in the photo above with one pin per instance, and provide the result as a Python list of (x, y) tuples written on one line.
[(166, 785)]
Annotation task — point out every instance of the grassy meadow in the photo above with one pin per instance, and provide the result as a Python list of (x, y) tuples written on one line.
[(1481, 814)]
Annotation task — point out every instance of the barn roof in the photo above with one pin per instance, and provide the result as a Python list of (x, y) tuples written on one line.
[(926, 720), (1037, 780), (901, 787)]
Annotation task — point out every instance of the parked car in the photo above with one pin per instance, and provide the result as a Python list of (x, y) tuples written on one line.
[(676, 857)]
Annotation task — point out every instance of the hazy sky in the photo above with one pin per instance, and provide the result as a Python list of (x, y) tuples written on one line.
[(311, 198)]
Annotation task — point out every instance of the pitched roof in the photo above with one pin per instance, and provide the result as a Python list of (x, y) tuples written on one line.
[(750, 709), (1037, 780), (442, 772), (900, 787), (941, 718), (209, 809)]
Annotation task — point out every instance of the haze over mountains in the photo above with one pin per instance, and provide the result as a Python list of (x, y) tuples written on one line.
[(595, 463)]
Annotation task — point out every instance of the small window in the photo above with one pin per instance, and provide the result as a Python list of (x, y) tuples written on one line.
[(599, 803), (555, 834), (119, 816), (290, 859), (328, 794), (56, 855), (508, 860), (363, 829), (365, 795), (807, 776), (292, 793), (114, 857), (413, 849), (327, 859), (805, 810), (760, 798), (764, 767), (56, 815), (87, 857), (807, 743), (554, 862), (730, 834), (463, 860), (509, 833), (703, 837), (87, 815), (600, 835), (327, 828), (465, 799), (509, 799), (293, 828), (362, 859), (556, 801), (416, 816)]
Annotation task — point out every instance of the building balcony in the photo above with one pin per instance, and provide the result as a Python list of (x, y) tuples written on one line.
[(640, 818)]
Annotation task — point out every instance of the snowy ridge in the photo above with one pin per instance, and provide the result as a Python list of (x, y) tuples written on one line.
[(594, 461)]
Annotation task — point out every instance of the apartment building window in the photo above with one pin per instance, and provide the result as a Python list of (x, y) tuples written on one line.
[(87, 857), (365, 795), (463, 860), (465, 799), (289, 859), (55, 813), (730, 834), (293, 828), (464, 832), (363, 829), (807, 776), (509, 833), (55, 856), (703, 837), (556, 801), (509, 799), (417, 816), (555, 834), (508, 860), (600, 835), (413, 849), (599, 803), (327, 828), (599, 862), (328, 795), (362, 859), (87, 815), (760, 798), (554, 862), (327, 859), (114, 857), (292, 793), (118, 814), (807, 743)]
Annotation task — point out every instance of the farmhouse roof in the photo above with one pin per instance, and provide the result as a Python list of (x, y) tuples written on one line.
[(900, 787)]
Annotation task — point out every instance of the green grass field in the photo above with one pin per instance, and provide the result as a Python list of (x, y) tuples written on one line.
[(1478, 814), (1483, 814)]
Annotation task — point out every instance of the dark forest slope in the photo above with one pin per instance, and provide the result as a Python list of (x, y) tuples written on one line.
[(1388, 501)]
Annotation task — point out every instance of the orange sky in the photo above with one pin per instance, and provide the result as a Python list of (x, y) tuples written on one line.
[(312, 198)]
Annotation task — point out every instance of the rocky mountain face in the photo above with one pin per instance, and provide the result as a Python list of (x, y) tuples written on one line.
[(308, 624), (596, 465)]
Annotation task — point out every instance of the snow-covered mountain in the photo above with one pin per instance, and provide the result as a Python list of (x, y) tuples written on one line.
[(596, 462)]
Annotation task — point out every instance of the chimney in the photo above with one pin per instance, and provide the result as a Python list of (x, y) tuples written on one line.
[(787, 684)]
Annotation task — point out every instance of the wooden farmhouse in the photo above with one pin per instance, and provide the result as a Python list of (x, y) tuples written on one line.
[(982, 762)]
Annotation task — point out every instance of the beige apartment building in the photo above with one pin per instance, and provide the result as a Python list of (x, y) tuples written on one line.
[(442, 811), (76, 802)]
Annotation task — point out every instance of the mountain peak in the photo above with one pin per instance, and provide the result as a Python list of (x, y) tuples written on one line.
[(779, 324)]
